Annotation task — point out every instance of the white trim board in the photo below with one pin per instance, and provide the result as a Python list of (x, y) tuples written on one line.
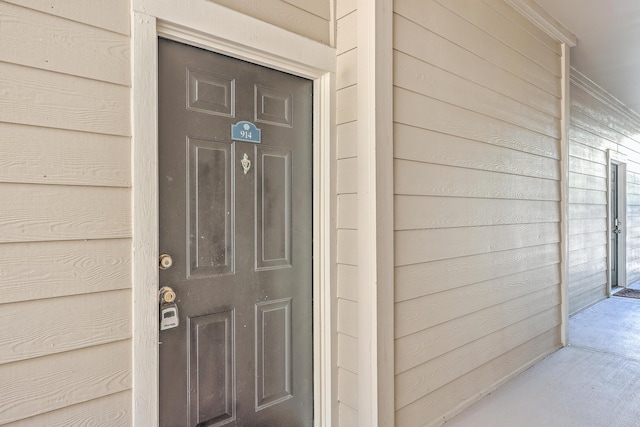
[(210, 26), (242, 36), (565, 104), (376, 324)]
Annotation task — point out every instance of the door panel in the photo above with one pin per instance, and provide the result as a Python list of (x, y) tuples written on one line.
[(273, 190), (240, 238), (210, 93), (211, 369), (209, 194), (273, 352)]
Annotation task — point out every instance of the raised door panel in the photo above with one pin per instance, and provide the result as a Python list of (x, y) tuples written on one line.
[(210, 248)]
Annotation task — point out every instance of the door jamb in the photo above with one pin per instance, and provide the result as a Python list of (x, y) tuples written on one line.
[(213, 27), (614, 157)]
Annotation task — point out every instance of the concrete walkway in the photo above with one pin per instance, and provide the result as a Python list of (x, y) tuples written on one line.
[(593, 382)]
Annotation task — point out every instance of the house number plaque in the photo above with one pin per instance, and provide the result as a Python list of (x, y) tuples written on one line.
[(246, 131)]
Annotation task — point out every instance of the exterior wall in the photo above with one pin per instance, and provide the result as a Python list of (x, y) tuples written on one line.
[(65, 229), (477, 123), (347, 221), (598, 123), (65, 220), (477, 91), (309, 18)]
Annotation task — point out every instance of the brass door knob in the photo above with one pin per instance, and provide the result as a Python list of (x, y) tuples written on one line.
[(167, 295), (165, 261)]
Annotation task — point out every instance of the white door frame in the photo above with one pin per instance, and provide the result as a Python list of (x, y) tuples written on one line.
[(615, 158), (216, 28)]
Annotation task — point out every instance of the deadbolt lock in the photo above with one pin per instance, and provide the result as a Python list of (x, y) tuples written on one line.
[(165, 261), (166, 295)]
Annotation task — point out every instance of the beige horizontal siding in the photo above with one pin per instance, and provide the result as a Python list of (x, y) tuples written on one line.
[(347, 211), (430, 376), (347, 247), (421, 179), (490, 20), (346, 110), (40, 155), (585, 292), (43, 384), (348, 353), (447, 118), (345, 7), (346, 146), (463, 271), (104, 317), (53, 269), (587, 240), (347, 277), (598, 123), (416, 246), (442, 21), (484, 299), (347, 218), (423, 78), (477, 201), (348, 390), (69, 213), (414, 316), (470, 154), (347, 69), (438, 51), (347, 416), (309, 18), (587, 182), (347, 172), (42, 98), (425, 212), (348, 317), (531, 28), (585, 255), (65, 245), (465, 389), (107, 14), (347, 32), (584, 271), (78, 54), (112, 410)]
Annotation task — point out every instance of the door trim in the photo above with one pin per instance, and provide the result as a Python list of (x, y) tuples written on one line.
[(616, 158), (216, 28)]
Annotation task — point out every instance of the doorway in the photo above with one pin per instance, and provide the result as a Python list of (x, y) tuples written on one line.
[(235, 189), (617, 224)]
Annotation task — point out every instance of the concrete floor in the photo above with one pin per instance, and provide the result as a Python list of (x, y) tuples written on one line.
[(595, 381)]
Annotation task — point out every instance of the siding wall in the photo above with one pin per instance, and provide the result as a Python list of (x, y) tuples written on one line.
[(65, 220), (347, 218), (477, 205), (598, 123), (309, 18)]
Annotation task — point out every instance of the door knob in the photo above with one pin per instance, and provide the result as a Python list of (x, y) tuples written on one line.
[(165, 261), (166, 295)]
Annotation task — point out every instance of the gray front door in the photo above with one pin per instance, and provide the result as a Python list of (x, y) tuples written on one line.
[(236, 219)]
